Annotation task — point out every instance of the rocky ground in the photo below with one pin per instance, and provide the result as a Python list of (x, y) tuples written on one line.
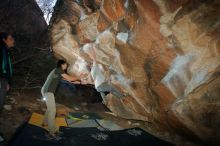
[(24, 102)]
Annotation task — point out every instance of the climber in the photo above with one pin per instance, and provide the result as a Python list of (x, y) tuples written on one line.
[(6, 43), (48, 91)]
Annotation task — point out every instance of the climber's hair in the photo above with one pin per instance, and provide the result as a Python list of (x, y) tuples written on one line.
[(3, 35), (60, 62)]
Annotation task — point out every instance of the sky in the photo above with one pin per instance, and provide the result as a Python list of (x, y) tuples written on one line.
[(47, 7)]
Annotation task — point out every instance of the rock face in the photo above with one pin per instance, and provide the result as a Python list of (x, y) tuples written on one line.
[(159, 59), (22, 18), (25, 20)]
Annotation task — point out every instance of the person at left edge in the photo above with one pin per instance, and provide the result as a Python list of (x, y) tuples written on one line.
[(6, 69)]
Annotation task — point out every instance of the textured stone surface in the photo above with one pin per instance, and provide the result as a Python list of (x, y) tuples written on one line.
[(159, 59), (24, 19)]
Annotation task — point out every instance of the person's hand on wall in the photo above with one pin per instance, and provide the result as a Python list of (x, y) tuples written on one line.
[(76, 82)]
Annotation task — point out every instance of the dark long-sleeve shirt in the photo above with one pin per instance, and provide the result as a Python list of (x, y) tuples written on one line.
[(6, 68), (52, 81)]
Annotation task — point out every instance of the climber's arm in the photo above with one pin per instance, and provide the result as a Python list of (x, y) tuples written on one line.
[(72, 78), (69, 78)]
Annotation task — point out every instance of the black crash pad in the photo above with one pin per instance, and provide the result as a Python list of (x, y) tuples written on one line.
[(30, 135)]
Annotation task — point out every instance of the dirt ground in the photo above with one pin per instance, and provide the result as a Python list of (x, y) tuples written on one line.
[(25, 102)]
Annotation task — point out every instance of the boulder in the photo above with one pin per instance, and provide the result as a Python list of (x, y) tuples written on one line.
[(24, 19), (160, 60)]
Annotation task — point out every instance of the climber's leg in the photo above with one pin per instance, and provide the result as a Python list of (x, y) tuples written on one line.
[(50, 114)]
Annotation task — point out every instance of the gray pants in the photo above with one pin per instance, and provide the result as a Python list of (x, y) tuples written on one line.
[(3, 91), (50, 115)]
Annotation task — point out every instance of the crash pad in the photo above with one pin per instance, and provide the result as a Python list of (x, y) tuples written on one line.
[(84, 115), (37, 120), (31, 135), (96, 123), (89, 120)]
